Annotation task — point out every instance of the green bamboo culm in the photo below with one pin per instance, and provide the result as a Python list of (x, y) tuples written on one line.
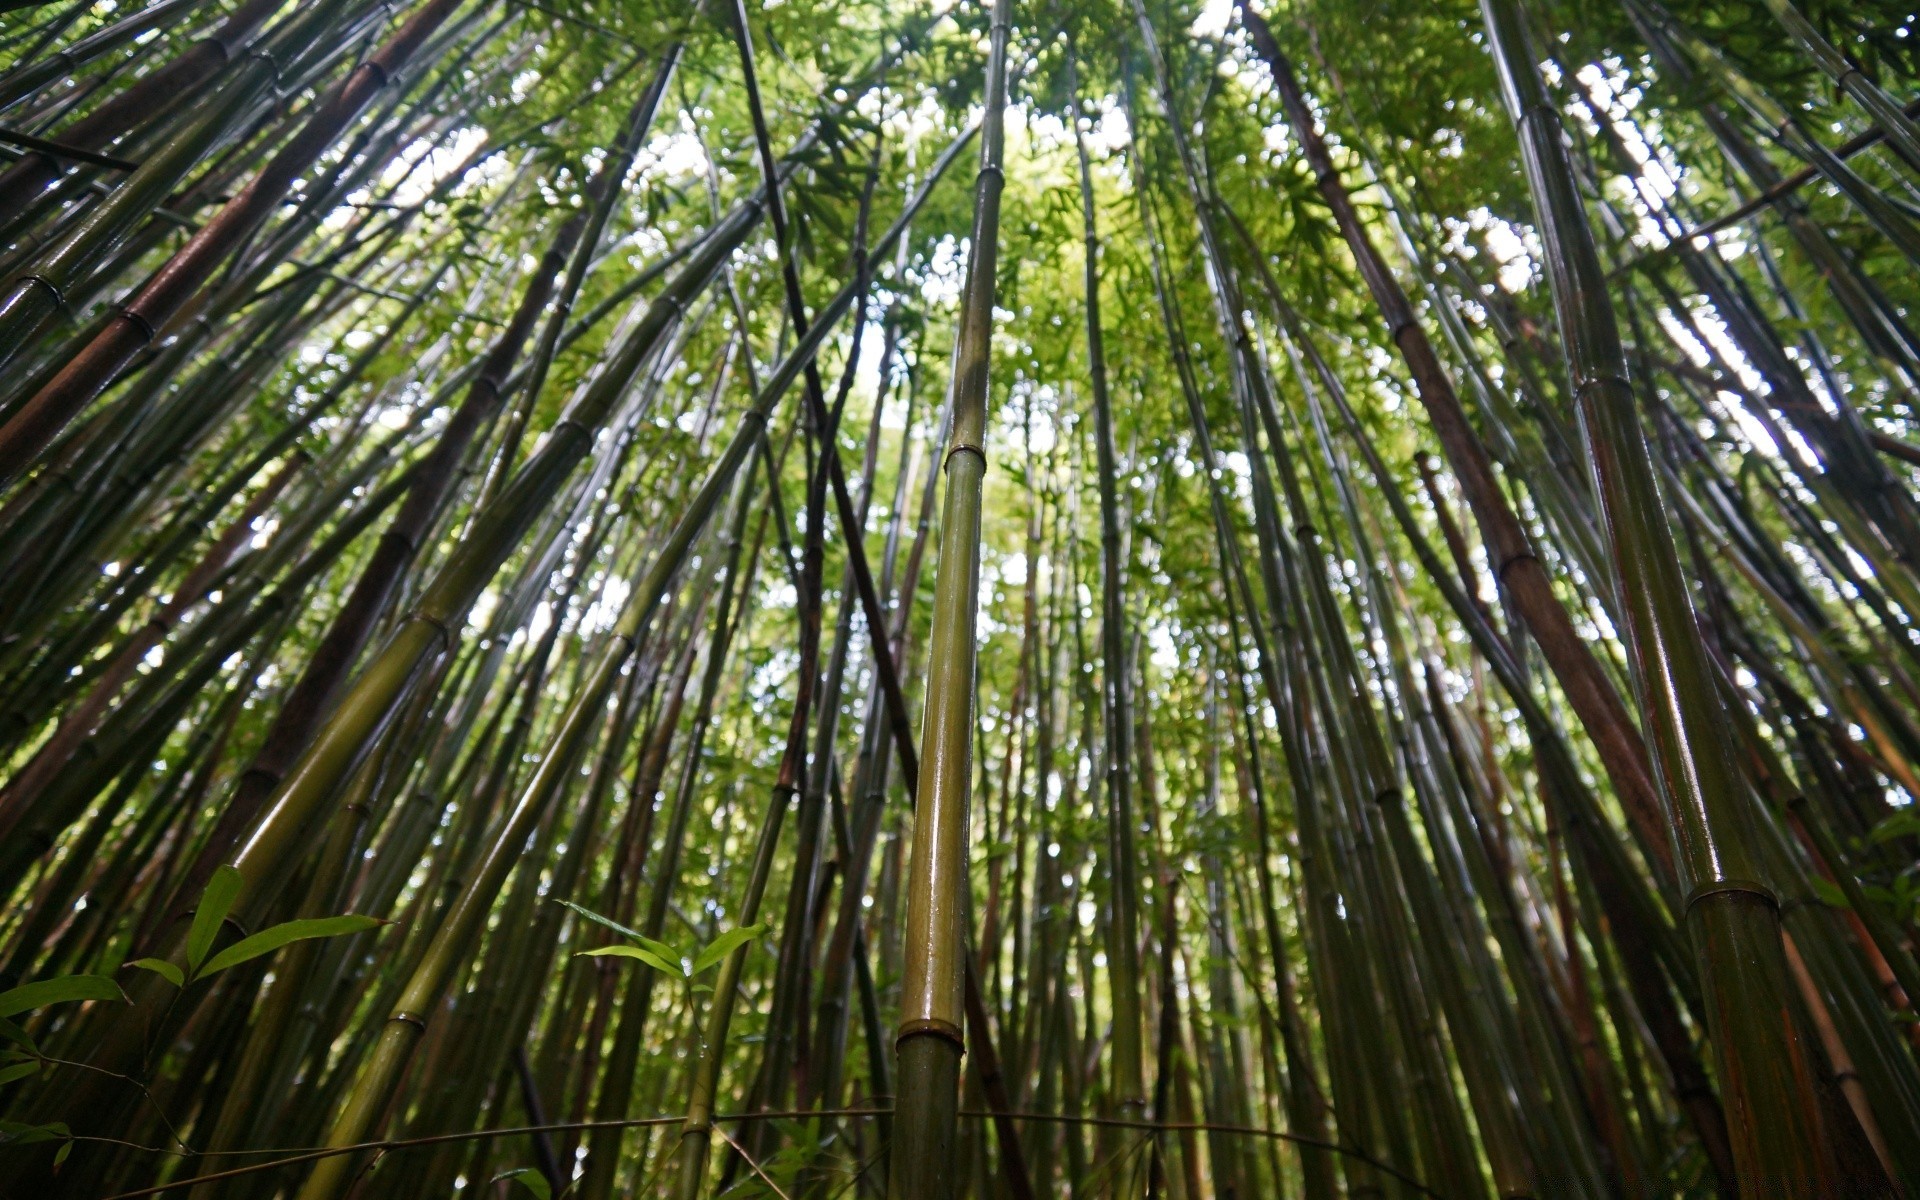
[(16, 85), (696, 1131), (1123, 951), (423, 993), (365, 710), (931, 1037), (1731, 912), (27, 432), (1888, 117), (40, 291)]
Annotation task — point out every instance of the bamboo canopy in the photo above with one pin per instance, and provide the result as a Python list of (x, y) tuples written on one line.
[(1113, 600)]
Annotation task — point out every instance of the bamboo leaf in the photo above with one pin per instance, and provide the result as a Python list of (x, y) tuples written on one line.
[(14, 1033), (19, 1133), (529, 1178), (1829, 893), (670, 953), (215, 903), (1898, 825), (275, 936), (18, 1071), (609, 922), (161, 967), (59, 990), (724, 945), (648, 957)]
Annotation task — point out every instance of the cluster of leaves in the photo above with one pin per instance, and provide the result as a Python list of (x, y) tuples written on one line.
[(677, 964)]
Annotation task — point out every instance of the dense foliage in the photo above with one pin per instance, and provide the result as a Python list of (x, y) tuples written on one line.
[(1378, 539)]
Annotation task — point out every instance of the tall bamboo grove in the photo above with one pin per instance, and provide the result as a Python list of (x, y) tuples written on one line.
[(586, 611)]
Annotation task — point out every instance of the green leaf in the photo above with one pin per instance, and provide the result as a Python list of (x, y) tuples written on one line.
[(18, 1133), (215, 903), (529, 1178), (14, 1033), (58, 990), (161, 967), (609, 922), (670, 953), (1829, 893), (18, 1071), (1899, 825), (724, 944), (275, 936), (657, 962)]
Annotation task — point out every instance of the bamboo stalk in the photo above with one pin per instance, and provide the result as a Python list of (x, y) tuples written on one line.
[(931, 1032), (1731, 912), (29, 429)]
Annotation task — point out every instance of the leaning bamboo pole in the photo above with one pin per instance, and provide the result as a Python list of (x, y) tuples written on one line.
[(195, 67), (1731, 912), (28, 431), (421, 997), (35, 73), (307, 704), (370, 702), (1518, 569)]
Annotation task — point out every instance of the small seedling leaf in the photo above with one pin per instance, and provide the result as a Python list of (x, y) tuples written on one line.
[(14, 1033), (1829, 893)]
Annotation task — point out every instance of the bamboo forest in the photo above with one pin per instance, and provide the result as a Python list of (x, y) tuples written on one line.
[(959, 599)]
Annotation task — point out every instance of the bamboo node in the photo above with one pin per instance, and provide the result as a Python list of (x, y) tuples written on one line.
[(931, 1026), (147, 331), (443, 624), (1731, 887), (273, 65), (1599, 379), (1514, 559), (404, 1017), (957, 447), (53, 289)]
